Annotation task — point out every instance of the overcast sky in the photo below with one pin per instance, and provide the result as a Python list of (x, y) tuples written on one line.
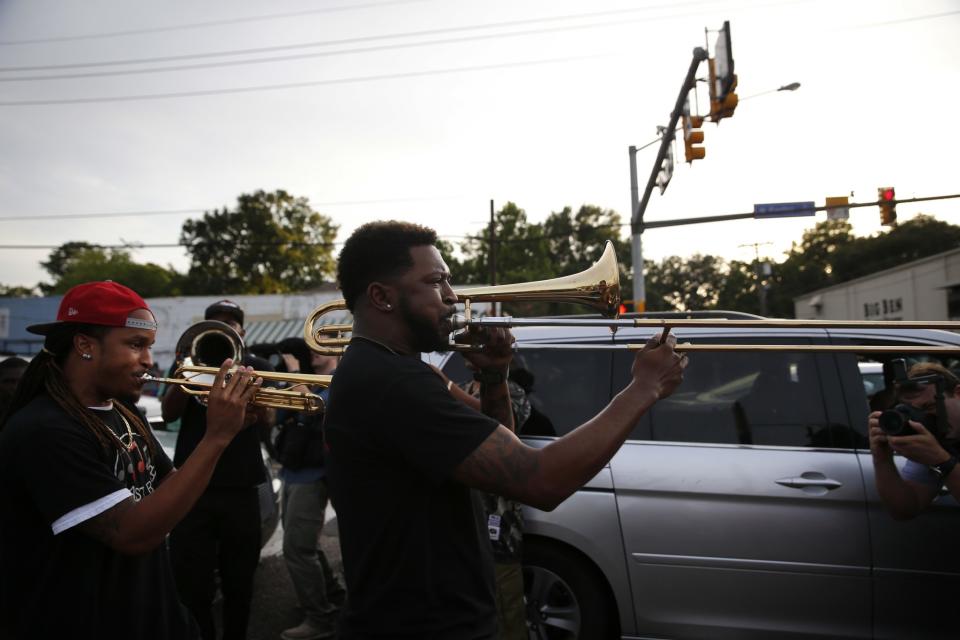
[(425, 110)]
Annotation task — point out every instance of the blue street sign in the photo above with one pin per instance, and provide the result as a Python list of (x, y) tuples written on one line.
[(784, 209)]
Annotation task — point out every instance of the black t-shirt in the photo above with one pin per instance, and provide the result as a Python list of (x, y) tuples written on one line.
[(416, 557), (55, 580), (241, 464)]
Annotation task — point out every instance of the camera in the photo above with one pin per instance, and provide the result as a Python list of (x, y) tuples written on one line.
[(894, 422)]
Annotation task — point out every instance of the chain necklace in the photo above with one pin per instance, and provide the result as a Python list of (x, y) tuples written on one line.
[(133, 443), (393, 351)]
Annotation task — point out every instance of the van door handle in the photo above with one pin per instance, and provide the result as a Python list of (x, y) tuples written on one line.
[(811, 480)]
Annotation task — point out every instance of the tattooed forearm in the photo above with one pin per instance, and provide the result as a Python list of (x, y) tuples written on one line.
[(495, 402), (501, 464), (106, 526)]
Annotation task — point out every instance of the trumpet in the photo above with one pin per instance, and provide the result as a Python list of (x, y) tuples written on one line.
[(204, 346), (264, 397)]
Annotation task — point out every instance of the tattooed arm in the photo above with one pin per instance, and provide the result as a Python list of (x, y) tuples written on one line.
[(543, 478)]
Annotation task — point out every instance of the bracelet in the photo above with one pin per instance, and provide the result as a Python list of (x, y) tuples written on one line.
[(942, 470), (490, 377), (449, 384)]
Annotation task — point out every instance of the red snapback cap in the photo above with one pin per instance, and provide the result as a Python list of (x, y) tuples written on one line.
[(106, 303)]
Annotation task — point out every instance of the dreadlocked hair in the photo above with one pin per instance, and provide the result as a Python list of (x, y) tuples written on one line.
[(44, 374)]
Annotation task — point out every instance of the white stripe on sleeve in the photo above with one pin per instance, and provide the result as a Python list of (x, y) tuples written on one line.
[(87, 511)]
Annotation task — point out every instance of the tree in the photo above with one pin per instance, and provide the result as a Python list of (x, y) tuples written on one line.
[(78, 264), (917, 238), (564, 244), (676, 284), (809, 265), (271, 243), (15, 291), (59, 261), (829, 254), (521, 254), (739, 289)]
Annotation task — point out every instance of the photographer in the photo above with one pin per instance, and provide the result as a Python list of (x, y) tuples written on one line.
[(931, 459)]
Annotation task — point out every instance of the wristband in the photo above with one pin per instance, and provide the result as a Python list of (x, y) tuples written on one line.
[(490, 376), (449, 384), (943, 469)]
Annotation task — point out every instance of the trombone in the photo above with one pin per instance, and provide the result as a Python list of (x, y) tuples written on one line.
[(208, 343), (598, 288)]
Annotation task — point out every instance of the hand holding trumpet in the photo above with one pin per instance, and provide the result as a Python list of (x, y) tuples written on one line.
[(227, 403)]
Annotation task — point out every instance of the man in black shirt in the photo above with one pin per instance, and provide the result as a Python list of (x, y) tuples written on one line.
[(403, 454), (86, 492), (222, 531)]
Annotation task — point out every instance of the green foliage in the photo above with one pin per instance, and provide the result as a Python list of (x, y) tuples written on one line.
[(565, 243), (447, 252), (271, 243), (826, 255), (61, 258), (677, 284), (916, 238), (78, 264), (15, 291)]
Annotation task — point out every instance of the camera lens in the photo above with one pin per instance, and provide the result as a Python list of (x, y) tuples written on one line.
[(894, 423)]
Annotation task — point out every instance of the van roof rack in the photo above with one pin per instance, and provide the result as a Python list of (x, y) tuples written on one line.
[(695, 315), (675, 315)]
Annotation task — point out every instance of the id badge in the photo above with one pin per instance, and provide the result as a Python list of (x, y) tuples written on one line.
[(493, 527)]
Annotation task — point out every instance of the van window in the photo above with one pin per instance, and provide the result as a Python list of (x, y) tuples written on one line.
[(744, 398), (565, 388)]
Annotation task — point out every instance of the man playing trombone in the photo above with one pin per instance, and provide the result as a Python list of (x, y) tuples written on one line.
[(222, 531), (404, 454)]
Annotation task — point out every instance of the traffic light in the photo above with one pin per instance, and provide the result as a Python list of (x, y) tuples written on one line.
[(887, 200), (720, 109), (723, 100), (692, 135)]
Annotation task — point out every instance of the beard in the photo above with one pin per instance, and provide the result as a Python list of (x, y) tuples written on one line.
[(426, 335)]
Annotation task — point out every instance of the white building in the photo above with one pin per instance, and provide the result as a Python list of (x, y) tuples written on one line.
[(926, 289), (267, 318)]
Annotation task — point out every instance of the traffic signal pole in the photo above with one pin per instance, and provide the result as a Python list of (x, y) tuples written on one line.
[(639, 205)]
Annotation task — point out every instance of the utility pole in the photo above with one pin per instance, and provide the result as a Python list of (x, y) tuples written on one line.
[(639, 205), (761, 270), (493, 246), (494, 307)]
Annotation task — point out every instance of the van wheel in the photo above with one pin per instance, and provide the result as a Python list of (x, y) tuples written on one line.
[(564, 596)]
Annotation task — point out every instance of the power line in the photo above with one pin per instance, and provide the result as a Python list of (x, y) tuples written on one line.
[(203, 25), (122, 214), (320, 54), (342, 41), (480, 236), (908, 19), (298, 85)]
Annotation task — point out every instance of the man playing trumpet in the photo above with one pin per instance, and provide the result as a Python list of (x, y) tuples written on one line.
[(87, 494)]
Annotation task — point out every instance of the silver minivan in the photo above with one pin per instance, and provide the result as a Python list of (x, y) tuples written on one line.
[(743, 506)]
